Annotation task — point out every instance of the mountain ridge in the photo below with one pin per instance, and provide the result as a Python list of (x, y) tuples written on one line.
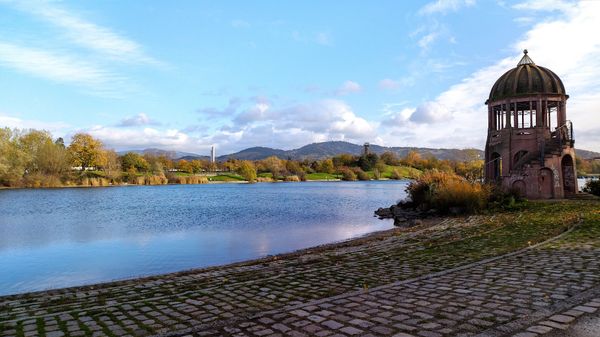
[(316, 151)]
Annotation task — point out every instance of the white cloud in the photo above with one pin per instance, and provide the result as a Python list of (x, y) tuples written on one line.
[(445, 6), (392, 85), (389, 84), (295, 125), (58, 129), (427, 40), (545, 5), (348, 87), (128, 139), (88, 34), (60, 68), (431, 112), (576, 61), (137, 120)]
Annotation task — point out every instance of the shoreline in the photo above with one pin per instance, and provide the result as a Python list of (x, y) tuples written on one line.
[(209, 183), (336, 245)]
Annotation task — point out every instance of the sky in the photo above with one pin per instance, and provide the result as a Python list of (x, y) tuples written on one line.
[(187, 75)]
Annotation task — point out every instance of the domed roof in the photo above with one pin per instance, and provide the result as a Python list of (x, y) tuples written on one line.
[(525, 79)]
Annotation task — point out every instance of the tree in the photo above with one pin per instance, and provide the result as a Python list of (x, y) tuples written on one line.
[(85, 151), (112, 164), (185, 166), (12, 158), (52, 159), (247, 171), (134, 162), (413, 159), (326, 166), (367, 162), (196, 165), (274, 165), (390, 158), (31, 143)]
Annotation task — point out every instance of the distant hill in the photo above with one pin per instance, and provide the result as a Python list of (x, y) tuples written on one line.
[(159, 152), (255, 153), (322, 150), (328, 149), (585, 154)]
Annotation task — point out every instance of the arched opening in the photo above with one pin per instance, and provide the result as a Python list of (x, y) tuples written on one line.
[(546, 183), (568, 173), (518, 187), (496, 163)]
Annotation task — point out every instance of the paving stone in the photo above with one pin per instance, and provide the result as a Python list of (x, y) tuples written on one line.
[(540, 329), (562, 319), (333, 324)]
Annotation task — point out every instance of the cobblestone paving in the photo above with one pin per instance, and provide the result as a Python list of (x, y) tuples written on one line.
[(461, 303), (316, 292)]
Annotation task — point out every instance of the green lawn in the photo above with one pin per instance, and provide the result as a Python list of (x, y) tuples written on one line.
[(405, 171), (226, 177), (322, 176)]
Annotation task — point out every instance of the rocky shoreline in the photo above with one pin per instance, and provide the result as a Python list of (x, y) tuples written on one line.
[(404, 214)]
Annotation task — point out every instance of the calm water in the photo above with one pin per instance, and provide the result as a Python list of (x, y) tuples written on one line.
[(64, 237)]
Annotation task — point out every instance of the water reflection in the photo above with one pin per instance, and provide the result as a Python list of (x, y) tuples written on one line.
[(57, 238)]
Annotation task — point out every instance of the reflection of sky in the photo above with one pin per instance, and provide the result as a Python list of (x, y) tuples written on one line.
[(64, 237)]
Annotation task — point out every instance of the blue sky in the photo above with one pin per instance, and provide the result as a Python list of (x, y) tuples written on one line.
[(189, 74)]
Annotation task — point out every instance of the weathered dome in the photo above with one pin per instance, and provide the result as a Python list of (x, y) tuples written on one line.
[(526, 78)]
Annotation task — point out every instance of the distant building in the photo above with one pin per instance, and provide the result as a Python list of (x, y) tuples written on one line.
[(529, 146), (366, 148), (213, 154)]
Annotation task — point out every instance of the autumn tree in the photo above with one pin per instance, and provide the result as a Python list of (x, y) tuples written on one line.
[(111, 164), (85, 151), (12, 158), (274, 165), (185, 166), (134, 162), (326, 166), (247, 170)]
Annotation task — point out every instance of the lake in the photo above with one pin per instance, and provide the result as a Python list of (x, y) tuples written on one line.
[(54, 238)]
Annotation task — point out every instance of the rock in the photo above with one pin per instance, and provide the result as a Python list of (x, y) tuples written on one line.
[(415, 222)]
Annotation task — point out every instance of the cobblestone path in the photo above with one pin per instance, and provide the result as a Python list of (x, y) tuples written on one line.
[(387, 284)]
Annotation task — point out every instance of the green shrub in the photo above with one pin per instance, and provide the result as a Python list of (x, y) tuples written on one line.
[(593, 187)]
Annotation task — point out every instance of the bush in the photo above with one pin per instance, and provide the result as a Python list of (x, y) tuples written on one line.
[(593, 187), (447, 192), (396, 175), (360, 174), (174, 179), (376, 174), (347, 174)]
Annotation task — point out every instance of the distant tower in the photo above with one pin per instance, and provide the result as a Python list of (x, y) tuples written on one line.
[(213, 154), (530, 140), (366, 150)]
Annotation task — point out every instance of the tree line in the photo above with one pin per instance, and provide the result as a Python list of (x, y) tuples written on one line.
[(33, 158)]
